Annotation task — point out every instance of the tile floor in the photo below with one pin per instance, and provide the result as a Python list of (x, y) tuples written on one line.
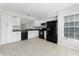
[(36, 47)]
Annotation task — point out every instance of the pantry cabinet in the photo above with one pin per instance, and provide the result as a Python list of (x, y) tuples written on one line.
[(7, 34)]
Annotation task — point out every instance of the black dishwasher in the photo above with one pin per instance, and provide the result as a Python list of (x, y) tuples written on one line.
[(24, 35), (41, 34)]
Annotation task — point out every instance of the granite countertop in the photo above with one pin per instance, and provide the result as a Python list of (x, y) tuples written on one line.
[(24, 30)]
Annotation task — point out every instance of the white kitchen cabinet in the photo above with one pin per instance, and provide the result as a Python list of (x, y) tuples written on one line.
[(37, 23), (45, 34), (16, 36), (7, 34), (32, 34), (4, 29), (16, 21)]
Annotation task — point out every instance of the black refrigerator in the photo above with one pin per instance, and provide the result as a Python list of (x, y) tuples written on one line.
[(52, 31)]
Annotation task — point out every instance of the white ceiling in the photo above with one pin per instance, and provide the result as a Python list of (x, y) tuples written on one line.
[(40, 10)]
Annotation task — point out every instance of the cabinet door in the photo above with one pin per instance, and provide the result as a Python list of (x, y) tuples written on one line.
[(6, 31), (4, 28), (32, 34), (10, 28), (16, 36), (16, 21), (37, 23), (7, 35)]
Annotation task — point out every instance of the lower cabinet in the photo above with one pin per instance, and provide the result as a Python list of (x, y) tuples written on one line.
[(45, 34), (32, 34), (16, 36)]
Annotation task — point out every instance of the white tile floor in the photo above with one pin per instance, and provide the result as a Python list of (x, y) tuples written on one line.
[(36, 47)]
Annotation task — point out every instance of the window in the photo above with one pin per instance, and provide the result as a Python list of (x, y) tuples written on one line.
[(71, 26)]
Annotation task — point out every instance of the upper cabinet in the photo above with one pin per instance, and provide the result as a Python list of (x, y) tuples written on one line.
[(27, 23), (16, 21), (27, 19), (37, 23)]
